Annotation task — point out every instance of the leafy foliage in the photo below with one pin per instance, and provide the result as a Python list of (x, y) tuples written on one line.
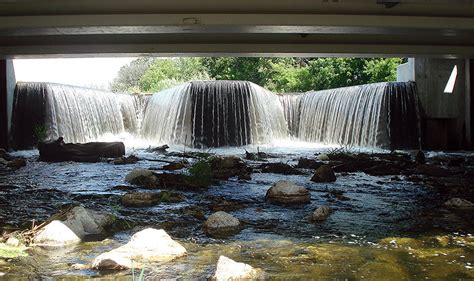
[(201, 173), (276, 74)]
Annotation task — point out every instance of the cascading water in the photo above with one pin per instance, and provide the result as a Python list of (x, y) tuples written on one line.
[(214, 113), (291, 106), (376, 115), (77, 114), (221, 113)]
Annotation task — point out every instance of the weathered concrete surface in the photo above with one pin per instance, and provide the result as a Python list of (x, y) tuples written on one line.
[(445, 116), (7, 89)]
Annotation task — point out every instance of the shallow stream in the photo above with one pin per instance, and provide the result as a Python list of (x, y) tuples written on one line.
[(373, 234)]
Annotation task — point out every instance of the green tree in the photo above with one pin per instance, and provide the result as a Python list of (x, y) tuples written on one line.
[(166, 73), (128, 77), (381, 70)]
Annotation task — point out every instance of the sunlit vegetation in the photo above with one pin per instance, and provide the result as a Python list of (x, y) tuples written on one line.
[(275, 74)]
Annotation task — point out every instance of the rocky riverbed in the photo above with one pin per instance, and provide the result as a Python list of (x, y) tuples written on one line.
[(330, 214)]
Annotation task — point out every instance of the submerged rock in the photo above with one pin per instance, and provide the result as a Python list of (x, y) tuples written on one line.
[(324, 174), (383, 169), (279, 168), (320, 214), (174, 166), (132, 159), (226, 167), (432, 170), (11, 252), (140, 199), (286, 192), (228, 269), (147, 246), (134, 174), (221, 224), (459, 203), (306, 163), (16, 163)]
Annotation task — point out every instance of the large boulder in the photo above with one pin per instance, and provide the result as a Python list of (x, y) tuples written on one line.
[(79, 222), (286, 192), (56, 234), (86, 222), (228, 270), (324, 174), (147, 246), (221, 224), (320, 214)]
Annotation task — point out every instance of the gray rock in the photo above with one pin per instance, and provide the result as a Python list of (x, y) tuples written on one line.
[(221, 224), (137, 173), (286, 192), (459, 203), (147, 246), (140, 199), (320, 214), (87, 222), (324, 174), (56, 234), (228, 269), (79, 223)]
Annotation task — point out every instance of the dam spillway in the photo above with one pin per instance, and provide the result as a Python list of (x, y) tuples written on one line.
[(221, 113)]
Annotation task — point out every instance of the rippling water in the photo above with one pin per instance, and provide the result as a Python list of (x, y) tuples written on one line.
[(370, 236)]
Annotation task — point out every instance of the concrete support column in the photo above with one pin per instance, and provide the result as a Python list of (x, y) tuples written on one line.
[(3, 105), (470, 100), (7, 88)]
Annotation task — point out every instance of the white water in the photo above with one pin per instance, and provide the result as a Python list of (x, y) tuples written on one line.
[(353, 116), (167, 118), (222, 114), (82, 115)]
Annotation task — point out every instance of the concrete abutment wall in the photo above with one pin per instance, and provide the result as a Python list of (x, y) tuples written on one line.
[(7, 89), (444, 89)]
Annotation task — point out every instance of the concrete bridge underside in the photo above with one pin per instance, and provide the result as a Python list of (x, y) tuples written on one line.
[(441, 28), (435, 30)]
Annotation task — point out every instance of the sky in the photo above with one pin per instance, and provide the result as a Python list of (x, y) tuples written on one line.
[(85, 72)]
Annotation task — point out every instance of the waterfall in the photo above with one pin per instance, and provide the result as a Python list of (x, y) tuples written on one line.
[(291, 106), (221, 113), (213, 114), (376, 115), (167, 117), (75, 113)]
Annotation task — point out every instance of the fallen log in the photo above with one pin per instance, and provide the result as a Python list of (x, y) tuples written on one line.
[(58, 151)]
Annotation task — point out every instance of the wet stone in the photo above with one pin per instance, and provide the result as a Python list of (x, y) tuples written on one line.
[(16, 163), (132, 159), (221, 224), (145, 247), (280, 168), (305, 163), (287, 193), (324, 174), (320, 214), (459, 203), (228, 269), (140, 199)]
